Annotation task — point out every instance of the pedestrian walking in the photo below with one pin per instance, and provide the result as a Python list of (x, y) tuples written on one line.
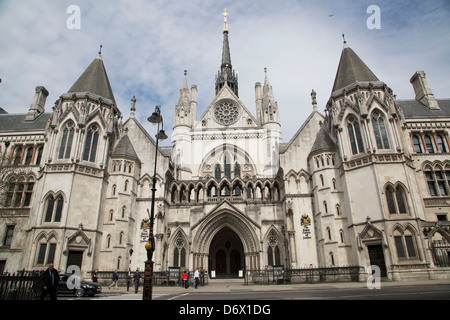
[(115, 280), (95, 276), (196, 278), (49, 282), (136, 278)]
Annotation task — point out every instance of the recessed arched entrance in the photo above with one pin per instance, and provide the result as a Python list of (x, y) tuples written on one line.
[(231, 231), (226, 254)]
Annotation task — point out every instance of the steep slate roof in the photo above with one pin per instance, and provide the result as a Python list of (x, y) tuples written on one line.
[(323, 142), (94, 80), (351, 69), (124, 148), (16, 122), (415, 109)]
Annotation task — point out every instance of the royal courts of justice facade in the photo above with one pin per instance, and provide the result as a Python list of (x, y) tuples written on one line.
[(367, 182)]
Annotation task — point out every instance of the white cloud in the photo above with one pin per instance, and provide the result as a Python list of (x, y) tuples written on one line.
[(148, 44)]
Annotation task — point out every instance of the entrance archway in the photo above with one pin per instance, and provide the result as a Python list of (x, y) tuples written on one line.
[(226, 254)]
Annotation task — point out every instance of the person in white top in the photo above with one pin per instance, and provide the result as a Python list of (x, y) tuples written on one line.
[(196, 278)]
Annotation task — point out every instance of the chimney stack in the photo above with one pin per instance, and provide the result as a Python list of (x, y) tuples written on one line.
[(37, 107), (422, 91)]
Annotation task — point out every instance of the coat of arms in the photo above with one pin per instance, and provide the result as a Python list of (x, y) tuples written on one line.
[(145, 224), (305, 220)]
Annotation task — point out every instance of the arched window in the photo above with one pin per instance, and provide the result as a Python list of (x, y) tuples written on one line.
[(405, 244), (329, 233), (217, 173), (53, 208), (179, 252), (65, 145), (90, 146), (379, 129), (440, 143), (416, 143), (39, 151), (428, 143), (114, 187), (108, 241), (123, 211), (46, 252), (273, 252), (237, 171), (29, 155), (396, 200), (341, 233), (227, 166), (354, 133)]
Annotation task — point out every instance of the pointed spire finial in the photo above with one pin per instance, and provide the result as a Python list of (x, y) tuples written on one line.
[(345, 42), (133, 106), (314, 99), (185, 86), (99, 56), (266, 78), (225, 26)]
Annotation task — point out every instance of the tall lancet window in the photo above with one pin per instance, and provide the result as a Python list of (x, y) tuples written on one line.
[(354, 133), (227, 166), (237, 170), (90, 147), (66, 141), (380, 131), (217, 173)]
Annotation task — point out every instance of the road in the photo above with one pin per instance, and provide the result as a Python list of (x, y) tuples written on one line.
[(422, 292)]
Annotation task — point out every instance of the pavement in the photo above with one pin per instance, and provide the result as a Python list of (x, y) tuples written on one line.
[(237, 285)]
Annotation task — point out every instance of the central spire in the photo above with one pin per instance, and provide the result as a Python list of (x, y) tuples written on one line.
[(226, 73)]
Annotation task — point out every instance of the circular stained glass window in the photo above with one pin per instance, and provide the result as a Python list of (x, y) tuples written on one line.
[(226, 113)]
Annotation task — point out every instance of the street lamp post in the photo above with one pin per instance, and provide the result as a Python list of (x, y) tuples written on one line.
[(155, 118)]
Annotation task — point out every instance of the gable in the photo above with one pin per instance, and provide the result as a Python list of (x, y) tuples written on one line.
[(226, 111)]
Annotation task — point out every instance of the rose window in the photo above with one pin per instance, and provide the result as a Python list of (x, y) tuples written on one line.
[(226, 113)]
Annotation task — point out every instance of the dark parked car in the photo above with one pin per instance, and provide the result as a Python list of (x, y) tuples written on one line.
[(84, 288)]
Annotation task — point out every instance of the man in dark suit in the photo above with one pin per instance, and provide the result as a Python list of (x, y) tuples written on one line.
[(49, 282)]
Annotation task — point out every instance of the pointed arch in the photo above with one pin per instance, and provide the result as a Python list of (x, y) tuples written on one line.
[(272, 246), (67, 132)]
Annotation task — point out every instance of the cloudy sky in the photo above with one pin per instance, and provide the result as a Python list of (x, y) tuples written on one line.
[(147, 44)]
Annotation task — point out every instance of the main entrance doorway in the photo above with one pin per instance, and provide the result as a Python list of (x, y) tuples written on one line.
[(226, 254), (376, 257)]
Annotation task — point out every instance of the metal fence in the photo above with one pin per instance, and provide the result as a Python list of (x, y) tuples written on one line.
[(160, 278), (23, 285), (306, 275)]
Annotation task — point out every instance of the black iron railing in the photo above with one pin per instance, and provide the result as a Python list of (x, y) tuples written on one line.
[(23, 285)]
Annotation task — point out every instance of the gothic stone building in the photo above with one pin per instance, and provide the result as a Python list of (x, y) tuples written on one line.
[(365, 183)]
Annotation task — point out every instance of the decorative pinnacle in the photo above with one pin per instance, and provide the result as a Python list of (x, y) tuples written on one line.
[(99, 56), (225, 26)]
